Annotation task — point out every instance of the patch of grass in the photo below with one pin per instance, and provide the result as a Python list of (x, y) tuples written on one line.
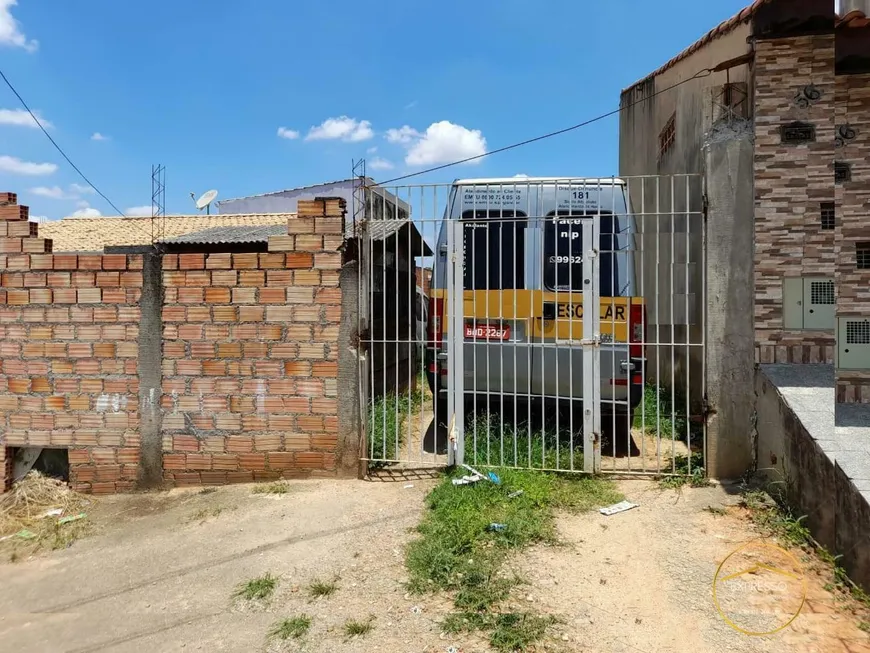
[(208, 490), (257, 588), (865, 626), (686, 470), (355, 628), (205, 513), (271, 488), (321, 588), (493, 441), (664, 412), (459, 554), (508, 631), (292, 628)]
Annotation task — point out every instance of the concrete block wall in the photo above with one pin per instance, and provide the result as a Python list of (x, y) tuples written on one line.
[(853, 220), (791, 182), (247, 347)]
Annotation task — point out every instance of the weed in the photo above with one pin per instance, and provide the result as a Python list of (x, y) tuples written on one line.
[(719, 511), (775, 519), (865, 626), (208, 490), (354, 628), (457, 553), (294, 627), (257, 588), (686, 470), (496, 441), (271, 488), (509, 631), (665, 413), (320, 588)]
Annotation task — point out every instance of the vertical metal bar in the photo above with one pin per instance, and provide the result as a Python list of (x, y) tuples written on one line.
[(449, 301), (397, 347), (673, 331), (458, 312), (687, 321), (658, 328), (641, 240), (703, 317)]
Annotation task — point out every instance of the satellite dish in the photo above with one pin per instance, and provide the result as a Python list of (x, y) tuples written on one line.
[(205, 200)]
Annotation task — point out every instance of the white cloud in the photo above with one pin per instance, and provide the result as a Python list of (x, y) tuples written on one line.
[(521, 175), (402, 135), (10, 29), (38, 218), (349, 130), (52, 192), (411, 104), (443, 142), (380, 164), (82, 204), (289, 134), (96, 136), (87, 212), (371, 150), (21, 118), (81, 189), (16, 166), (143, 211)]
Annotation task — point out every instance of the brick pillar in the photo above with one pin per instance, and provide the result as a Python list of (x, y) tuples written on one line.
[(18, 240)]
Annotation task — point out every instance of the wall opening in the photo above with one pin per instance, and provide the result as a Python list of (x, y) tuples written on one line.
[(49, 462), (829, 215)]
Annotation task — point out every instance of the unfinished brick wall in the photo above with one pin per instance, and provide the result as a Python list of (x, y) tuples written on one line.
[(853, 219), (250, 357), (68, 354), (791, 182)]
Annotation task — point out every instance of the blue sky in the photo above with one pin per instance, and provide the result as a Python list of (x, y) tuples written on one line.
[(205, 88)]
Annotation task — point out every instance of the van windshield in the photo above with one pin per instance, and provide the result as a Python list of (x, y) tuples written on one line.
[(494, 244), (563, 251)]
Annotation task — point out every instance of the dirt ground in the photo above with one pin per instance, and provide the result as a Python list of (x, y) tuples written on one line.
[(159, 571)]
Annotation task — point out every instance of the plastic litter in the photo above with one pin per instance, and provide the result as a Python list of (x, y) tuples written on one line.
[(497, 527), (25, 534), (416, 609), (514, 495), (55, 512), (494, 478), (409, 486), (68, 519), (468, 479), (622, 506)]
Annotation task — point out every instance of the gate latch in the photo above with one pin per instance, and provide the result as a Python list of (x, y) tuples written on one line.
[(594, 341)]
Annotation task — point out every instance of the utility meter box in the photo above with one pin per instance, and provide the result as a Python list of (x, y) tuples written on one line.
[(809, 303), (853, 343)]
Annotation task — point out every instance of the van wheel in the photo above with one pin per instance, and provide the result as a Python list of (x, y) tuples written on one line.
[(618, 435)]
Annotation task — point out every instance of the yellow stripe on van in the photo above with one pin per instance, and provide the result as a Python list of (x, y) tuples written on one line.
[(492, 306)]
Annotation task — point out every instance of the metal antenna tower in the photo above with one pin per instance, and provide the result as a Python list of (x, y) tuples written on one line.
[(158, 201)]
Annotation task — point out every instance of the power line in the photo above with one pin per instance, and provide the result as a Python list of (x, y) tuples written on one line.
[(57, 147), (702, 73)]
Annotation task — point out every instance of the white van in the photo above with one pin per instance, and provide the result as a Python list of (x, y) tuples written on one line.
[(523, 283)]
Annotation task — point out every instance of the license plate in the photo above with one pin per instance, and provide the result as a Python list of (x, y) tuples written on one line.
[(487, 332)]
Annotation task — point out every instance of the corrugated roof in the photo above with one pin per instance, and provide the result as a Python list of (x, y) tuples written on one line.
[(94, 234), (229, 235)]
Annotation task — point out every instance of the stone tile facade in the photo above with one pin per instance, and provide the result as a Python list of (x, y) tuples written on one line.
[(853, 218), (794, 82)]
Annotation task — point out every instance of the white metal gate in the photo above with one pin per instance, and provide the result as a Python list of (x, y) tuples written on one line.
[(538, 323)]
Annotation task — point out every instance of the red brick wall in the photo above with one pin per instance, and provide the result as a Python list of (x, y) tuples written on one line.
[(250, 365), (790, 184), (68, 355), (249, 356)]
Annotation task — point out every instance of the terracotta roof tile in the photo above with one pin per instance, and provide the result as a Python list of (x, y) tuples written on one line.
[(94, 234), (855, 18), (743, 16)]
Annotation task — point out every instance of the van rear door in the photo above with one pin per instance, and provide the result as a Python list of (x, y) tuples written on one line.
[(494, 279)]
